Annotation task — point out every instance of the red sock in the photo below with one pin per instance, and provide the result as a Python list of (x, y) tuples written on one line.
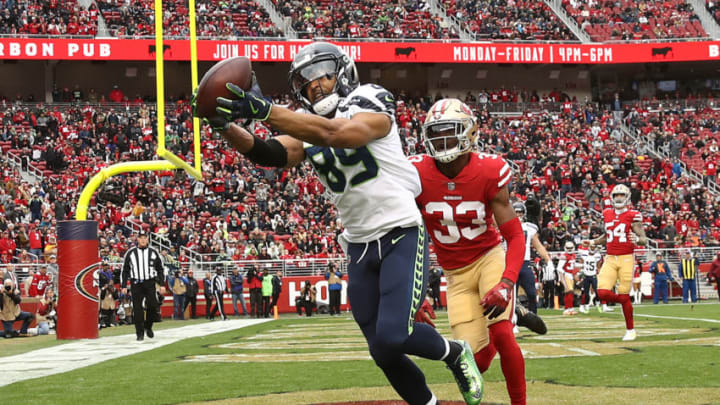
[(511, 360), (568, 300), (607, 296), (627, 307), (484, 357)]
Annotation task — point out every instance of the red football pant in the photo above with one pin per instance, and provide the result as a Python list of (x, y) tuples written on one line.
[(569, 300), (624, 300), (512, 363)]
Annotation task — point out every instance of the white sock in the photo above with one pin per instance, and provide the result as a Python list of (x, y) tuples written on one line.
[(433, 400)]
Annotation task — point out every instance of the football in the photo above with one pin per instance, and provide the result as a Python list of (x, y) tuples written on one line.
[(237, 70)]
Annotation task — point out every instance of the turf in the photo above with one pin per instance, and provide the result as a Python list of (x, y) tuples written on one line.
[(669, 353)]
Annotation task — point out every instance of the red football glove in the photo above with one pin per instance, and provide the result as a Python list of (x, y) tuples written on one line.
[(497, 299)]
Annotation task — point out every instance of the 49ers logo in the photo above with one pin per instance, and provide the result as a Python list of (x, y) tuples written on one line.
[(86, 281)]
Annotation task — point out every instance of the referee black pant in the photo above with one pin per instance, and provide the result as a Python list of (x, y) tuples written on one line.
[(144, 290), (218, 305)]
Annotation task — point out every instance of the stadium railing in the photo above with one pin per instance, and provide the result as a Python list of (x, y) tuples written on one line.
[(17, 161)]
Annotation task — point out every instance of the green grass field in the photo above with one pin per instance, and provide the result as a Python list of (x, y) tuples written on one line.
[(676, 359)]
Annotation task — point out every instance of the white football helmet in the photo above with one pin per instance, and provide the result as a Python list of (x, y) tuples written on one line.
[(569, 247), (450, 130), (620, 196)]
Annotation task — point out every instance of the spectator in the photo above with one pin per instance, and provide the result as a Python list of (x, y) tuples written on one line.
[(178, 284), (45, 312), (254, 281), (277, 287), (40, 282), (688, 269), (661, 271), (10, 311), (116, 95), (191, 295), (306, 299), (267, 289), (238, 293), (334, 278), (208, 292)]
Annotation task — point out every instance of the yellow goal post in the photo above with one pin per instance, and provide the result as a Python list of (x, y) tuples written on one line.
[(169, 160)]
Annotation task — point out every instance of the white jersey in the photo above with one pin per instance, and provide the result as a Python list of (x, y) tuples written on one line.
[(374, 186), (530, 230), (590, 263)]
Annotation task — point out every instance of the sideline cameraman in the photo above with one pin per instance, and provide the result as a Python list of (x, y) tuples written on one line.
[(45, 312), (254, 282), (10, 311)]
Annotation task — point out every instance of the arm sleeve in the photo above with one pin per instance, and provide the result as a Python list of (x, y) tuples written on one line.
[(159, 268), (513, 234), (125, 270)]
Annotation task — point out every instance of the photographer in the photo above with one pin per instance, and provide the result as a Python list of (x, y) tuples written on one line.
[(10, 311), (178, 284), (45, 312), (254, 281), (108, 295)]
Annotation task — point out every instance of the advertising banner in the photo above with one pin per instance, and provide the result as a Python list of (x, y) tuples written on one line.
[(383, 52)]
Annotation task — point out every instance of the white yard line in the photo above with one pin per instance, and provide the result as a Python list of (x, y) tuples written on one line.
[(679, 318), (86, 352)]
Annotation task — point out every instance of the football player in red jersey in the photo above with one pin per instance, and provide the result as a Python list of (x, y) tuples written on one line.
[(623, 230), (461, 193), (568, 269)]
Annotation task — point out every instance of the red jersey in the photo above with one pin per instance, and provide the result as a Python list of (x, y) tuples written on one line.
[(457, 211), (39, 283), (567, 263), (617, 230)]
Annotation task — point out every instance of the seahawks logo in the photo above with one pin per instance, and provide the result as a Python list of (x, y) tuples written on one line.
[(86, 281)]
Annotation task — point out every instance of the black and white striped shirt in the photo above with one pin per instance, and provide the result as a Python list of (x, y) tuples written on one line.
[(219, 284), (142, 264)]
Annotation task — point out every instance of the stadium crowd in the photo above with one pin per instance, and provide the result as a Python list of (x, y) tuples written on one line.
[(635, 20), (402, 19), (245, 212), (215, 18), (509, 19), (54, 17)]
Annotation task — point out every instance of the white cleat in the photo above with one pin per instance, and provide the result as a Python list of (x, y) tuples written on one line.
[(516, 330), (629, 335), (583, 309), (607, 309)]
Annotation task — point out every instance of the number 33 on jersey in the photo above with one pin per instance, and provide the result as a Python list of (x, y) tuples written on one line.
[(457, 211)]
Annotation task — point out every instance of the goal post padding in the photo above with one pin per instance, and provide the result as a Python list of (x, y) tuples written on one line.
[(79, 263)]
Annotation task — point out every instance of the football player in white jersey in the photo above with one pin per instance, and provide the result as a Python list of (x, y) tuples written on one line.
[(350, 137), (590, 262)]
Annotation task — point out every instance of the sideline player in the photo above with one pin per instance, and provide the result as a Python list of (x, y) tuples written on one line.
[(351, 139), (623, 230), (589, 261), (567, 270), (526, 278), (461, 192)]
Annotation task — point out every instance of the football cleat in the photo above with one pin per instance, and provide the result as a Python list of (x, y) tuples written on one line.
[(583, 309), (468, 377), (630, 335), (606, 308), (530, 320)]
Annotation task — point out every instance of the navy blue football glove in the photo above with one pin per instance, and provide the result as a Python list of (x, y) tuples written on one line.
[(249, 105)]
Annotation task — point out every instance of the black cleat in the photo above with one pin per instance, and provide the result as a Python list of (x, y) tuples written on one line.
[(149, 332), (530, 320), (140, 338)]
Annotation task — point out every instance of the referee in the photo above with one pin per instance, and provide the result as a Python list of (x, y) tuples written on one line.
[(142, 267), (219, 287)]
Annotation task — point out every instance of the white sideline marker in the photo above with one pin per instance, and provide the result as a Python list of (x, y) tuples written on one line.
[(70, 356)]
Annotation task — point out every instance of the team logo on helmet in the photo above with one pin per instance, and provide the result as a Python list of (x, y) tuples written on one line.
[(450, 130), (87, 281)]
